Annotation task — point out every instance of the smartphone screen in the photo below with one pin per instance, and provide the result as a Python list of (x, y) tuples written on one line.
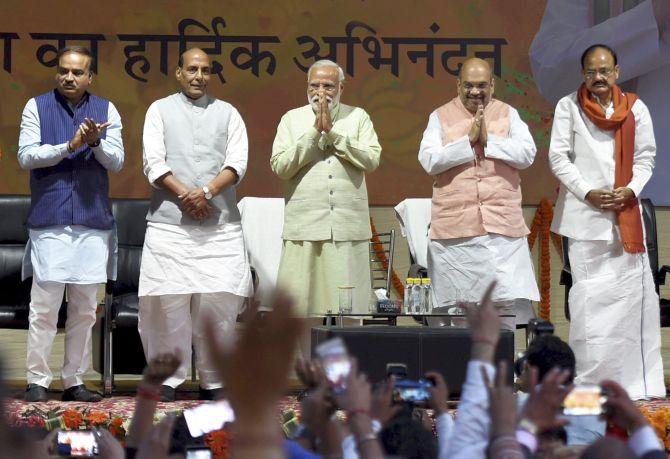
[(76, 443), (335, 361), (584, 401), (207, 417), (198, 453), (411, 391)]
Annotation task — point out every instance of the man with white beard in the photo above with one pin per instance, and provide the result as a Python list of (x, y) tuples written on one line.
[(322, 152)]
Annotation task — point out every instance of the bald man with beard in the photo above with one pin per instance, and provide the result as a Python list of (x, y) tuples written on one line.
[(473, 148)]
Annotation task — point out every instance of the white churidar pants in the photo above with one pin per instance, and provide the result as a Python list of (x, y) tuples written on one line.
[(46, 299), (176, 322)]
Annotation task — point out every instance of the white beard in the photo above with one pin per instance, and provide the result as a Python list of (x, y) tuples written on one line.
[(333, 102)]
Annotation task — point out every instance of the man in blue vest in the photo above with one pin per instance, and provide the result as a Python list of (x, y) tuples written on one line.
[(69, 140)]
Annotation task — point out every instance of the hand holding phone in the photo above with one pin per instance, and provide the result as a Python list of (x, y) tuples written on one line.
[(76, 443), (335, 362)]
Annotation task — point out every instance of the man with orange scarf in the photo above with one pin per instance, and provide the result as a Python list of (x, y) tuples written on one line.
[(474, 147), (602, 151)]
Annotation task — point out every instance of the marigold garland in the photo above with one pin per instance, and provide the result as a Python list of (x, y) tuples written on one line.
[(542, 226), (219, 442), (381, 256), (660, 421)]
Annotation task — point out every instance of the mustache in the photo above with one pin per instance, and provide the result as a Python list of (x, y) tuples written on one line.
[(315, 98)]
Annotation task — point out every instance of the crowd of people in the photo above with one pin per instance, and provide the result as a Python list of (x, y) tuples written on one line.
[(491, 420)]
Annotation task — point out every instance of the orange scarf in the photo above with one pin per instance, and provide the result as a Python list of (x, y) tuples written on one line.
[(622, 122)]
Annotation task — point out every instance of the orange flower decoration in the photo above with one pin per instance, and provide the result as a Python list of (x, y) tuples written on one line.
[(97, 418), (541, 226), (219, 442), (116, 427), (72, 418)]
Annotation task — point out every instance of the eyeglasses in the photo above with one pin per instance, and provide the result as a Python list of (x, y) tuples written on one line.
[(604, 72), (481, 86)]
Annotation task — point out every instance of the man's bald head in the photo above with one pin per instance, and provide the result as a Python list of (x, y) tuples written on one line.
[(475, 83), (476, 65), (193, 72)]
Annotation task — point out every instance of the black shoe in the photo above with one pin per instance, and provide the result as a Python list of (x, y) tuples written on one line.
[(36, 393), (168, 394), (80, 394), (210, 394)]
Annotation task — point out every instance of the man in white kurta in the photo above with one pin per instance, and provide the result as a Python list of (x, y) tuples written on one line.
[(194, 264), (640, 32), (69, 139), (614, 308), (473, 148)]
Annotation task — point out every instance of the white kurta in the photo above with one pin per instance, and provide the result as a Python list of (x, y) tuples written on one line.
[(615, 323), (194, 259), (179, 259), (567, 29), (461, 269)]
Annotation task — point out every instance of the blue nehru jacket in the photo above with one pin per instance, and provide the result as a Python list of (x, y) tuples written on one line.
[(74, 191)]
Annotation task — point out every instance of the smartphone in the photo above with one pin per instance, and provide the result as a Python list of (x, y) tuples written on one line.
[(198, 452), (584, 400), (207, 417), (76, 443), (413, 391), (336, 362)]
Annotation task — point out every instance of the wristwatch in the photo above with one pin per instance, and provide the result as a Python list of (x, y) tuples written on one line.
[(208, 194)]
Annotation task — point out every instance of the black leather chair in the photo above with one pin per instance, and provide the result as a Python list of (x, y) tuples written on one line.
[(117, 348), (15, 293), (651, 239)]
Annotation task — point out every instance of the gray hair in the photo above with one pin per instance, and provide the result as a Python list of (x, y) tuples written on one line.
[(327, 63)]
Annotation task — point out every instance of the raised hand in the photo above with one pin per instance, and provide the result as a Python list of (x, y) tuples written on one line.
[(326, 121), (439, 393), (91, 131), (545, 400), (475, 129), (483, 136), (160, 368), (255, 369), (502, 402), (620, 409), (382, 407)]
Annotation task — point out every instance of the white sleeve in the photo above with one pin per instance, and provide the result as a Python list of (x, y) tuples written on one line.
[(237, 149), (470, 434), (110, 151), (644, 440), (444, 425), (566, 32), (32, 154), (560, 147), (645, 149), (436, 157), (153, 146), (518, 150)]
